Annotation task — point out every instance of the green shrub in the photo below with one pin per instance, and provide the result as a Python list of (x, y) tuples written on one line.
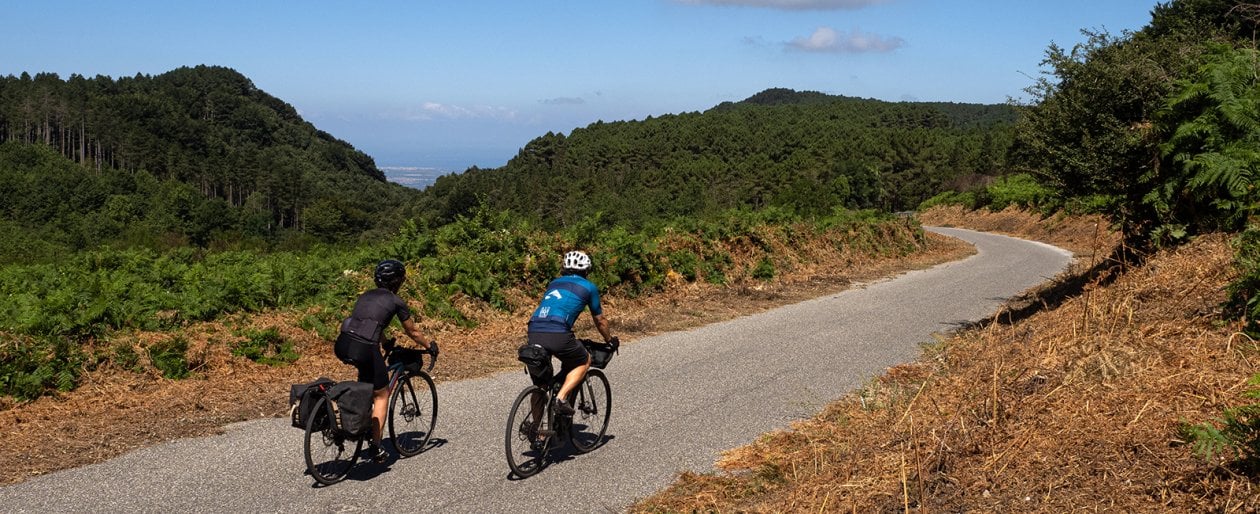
[(31, 367), (964, 199), (764, 270), (1244, 292), (1021, 190), (265, 346), (322, 323), (124, 355), (170, 357)]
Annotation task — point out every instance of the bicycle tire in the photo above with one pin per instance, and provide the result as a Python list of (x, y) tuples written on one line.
[(592, 405), (413, 409), (529, 435), (325, 448)]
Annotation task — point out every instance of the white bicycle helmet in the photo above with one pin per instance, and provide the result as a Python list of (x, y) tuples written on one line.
[(577, 260)]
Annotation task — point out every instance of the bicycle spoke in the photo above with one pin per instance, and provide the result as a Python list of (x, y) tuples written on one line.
[(328, 457), (412, 414), (528, 437), (593, 404)]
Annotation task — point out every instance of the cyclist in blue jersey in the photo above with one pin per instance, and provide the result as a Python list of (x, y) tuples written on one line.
[(551, 326)]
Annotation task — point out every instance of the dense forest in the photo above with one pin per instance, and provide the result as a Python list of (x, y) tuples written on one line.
[(194, 156), (804, 151)]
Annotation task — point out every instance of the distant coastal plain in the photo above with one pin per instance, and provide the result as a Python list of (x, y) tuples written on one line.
[(417, 177)]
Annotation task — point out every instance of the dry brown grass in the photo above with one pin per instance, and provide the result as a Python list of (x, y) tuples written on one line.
[(1072, 409), (116, 410)]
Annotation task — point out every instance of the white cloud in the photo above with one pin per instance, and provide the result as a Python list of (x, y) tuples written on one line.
[(433, 110), (563, 100), (791, 5), (826, 39)]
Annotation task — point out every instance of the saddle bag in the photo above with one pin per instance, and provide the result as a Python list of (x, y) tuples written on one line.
[(537, 363), (302, 400)]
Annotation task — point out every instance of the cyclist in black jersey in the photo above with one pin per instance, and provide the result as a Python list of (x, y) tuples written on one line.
[(362, 336)]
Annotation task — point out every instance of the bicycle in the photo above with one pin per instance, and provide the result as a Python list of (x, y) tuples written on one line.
[(411, 417), (534, 428)]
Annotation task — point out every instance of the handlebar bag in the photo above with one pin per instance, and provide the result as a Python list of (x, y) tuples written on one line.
[(411, 359)]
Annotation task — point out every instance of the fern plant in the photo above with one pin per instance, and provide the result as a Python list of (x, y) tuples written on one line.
[(1235, 435), (1212, 152)]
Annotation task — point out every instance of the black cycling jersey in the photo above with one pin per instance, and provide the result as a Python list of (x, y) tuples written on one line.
[(372, 313), (361, 334)]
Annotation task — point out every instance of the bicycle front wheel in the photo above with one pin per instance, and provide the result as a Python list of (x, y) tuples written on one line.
[(592, 405), (529, 435), (329, 454), (412, 413)]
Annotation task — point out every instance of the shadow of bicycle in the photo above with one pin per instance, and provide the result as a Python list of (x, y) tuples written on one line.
[(562, 453), (365, 469)]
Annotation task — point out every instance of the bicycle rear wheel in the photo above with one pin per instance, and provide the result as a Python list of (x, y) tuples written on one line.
[(529, 434), (329, 454), (412, 413), (592, 405)]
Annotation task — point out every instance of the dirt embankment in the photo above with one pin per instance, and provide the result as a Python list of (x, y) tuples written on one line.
[(1075, 407), (114, 411)]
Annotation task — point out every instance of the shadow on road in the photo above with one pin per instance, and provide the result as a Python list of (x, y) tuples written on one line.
[(562, 454), (1060, 290), (366, 470)]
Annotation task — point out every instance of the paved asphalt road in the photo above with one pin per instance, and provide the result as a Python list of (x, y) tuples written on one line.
[(678, 400)]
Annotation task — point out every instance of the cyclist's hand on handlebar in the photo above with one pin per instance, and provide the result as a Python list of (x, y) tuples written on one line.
[(433, 348), (388, 344), (615, 343)]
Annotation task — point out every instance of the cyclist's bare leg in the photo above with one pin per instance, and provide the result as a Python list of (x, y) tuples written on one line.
[(573, 379), (380, 404)]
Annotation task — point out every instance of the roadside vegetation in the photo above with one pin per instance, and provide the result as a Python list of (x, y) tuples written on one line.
[(1081, 405)]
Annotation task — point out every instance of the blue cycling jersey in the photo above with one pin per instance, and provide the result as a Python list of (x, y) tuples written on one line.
[(565, 299)]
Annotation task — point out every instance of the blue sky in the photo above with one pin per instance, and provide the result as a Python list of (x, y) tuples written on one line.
[(468, 82)]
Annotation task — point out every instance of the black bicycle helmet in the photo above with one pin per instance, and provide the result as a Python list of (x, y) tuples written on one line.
[(390, 274)]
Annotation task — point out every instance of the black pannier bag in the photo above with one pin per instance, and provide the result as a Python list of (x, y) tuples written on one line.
[(352, 406), (302, 400), (537, 363)]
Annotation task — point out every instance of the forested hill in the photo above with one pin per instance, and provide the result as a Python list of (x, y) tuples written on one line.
[(193, 155), (803, 151)]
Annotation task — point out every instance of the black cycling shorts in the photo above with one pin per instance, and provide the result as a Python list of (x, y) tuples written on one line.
[(366, 357), (563, 346)]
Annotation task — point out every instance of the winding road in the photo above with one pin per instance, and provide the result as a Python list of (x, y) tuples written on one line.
[(679, 399)]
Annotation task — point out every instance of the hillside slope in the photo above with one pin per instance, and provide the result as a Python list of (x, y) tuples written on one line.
[(194, 155), (1075, 407), (802, 151)]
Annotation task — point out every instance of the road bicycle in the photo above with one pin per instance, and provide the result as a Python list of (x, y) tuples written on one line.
[(413, 406), (534, 428)]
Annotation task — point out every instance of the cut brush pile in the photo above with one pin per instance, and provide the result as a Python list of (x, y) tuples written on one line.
[(1076, 407)]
